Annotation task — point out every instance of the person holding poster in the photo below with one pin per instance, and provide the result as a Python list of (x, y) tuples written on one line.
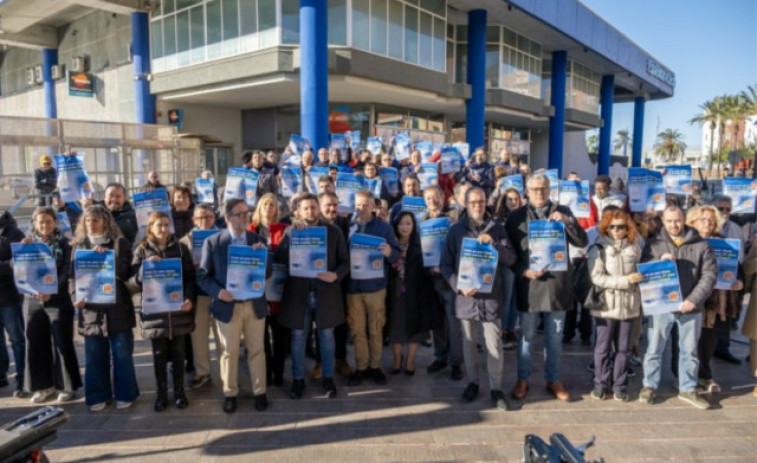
[(373, 182), (366, 297), (722, 308), (167, 331), (11, 313), (267, 181), (479, 310), (236, 319), (205, 227), (411, 187), (50, 321), (543, 292), (181, 210), (318, 298), (478, 172), (412, 166), (122, 211), (697, 273), (206, 190), (106, 327)]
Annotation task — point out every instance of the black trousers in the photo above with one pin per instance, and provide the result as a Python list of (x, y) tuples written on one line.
[(608, 373), (276, 346), (50, 354), (572, 322), (166, 350)]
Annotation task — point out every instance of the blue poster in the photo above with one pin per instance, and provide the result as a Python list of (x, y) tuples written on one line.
[(678, 180), (147, 202), (547, 246), (373, 185), (374, 145), (366, 260), (339, 142), (478, 266), (34, 269), (401, 146), (307, 252), (313, 175), (554, 185), (353, 140), (727, 254), (291, 181), (204, 190), (162, 287), (297, 145), (660, 288), (433, 234), (646, 190), (450, 160), (64, 225), (428, 175), (274, 285), (391, 177), (416, 205), (245, 276), (241, 183), (198, 239), (511, 181), (427, 150), (464, 149), (95, 276), (575, 195), (347, 186), (73, 180), (741, 193)]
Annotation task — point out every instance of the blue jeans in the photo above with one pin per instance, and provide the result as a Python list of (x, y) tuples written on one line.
[(553, 329), (511, 306), (658, 331), (97, 354), (12, 321), (325, 340)]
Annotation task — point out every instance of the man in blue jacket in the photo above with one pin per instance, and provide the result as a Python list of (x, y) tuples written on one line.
[(236, 318), (366, 299)]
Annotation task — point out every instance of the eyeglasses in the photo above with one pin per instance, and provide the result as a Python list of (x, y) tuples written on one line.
[(241, 214), (724, 209), (617, 227)]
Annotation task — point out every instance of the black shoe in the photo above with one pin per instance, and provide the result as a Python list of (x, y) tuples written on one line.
[(630, 372), (190, 368), (409, 372), (261, 402), (586, 341), (357, 377), (456, 374), (278, 379), (378, 376), (180, 398), (436, 366), (298, 386), (4, 381), (499, 400), (727, 357), (470, 393), (230, 404), (329, 388), (161, 400), (567, 339)]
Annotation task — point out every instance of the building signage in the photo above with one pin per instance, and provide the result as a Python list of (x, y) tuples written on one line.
[(656, 69), (81, 84)]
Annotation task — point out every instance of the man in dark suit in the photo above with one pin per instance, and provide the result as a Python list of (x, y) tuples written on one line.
[(319, 299), (235, 318)]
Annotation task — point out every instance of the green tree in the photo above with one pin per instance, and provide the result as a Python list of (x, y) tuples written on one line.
[(622, 142), (709, 118), (592, 143), (669, 145)]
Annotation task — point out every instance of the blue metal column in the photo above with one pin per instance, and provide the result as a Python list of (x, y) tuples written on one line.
[(49, 59), (314, 72), (638, 130), (605, 133), (557, 100), (140, 39), (475, 107)]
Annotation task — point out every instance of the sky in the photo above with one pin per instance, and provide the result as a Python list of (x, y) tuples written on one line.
[(710, 46)]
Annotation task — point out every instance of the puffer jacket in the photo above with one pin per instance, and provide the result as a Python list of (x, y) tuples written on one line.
[(610, 264)]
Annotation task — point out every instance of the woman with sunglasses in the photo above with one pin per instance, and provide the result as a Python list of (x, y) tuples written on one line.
[(613, 264)]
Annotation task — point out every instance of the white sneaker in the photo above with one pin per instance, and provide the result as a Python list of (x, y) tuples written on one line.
[(98, 407), (43, 395), (66, 396), (121, 405)]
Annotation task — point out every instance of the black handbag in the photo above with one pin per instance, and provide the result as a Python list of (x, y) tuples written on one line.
[(594, 299)]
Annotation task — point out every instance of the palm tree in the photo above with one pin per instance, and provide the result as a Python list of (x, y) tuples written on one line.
[(623, 141), (669, 144), (592, 143), (749, 97), (710, 117)]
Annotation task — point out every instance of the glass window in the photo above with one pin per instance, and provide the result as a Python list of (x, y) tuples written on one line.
[(396, 29), (230, 9), (450, 61), (267, 23), (492, 34), (360, 24), (411, 35), (182, 37), (213, 25), (156, 37), (439, 44), (426, 40), (462, 33), (290, 21), (197, 38), (168, 6), (451, 31), (435, 6), (461, 66), (185, 3), (248, 28), (509, 37), (378, 26), (169, 35), (337, 22), (492, 66)]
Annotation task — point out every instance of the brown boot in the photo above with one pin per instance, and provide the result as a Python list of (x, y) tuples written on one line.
[(556, 389), (520, 389)]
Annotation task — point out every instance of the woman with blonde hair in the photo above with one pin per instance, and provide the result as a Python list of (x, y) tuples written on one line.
[(106, 328)]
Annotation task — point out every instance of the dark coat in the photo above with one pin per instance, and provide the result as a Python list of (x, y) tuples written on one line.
[(211, 274), (45, 181), (481, 306), (63, 266), (296, 289), (104, 319), (554, 290), (126, 219), (182, 222), (9, 233), (168, 324)]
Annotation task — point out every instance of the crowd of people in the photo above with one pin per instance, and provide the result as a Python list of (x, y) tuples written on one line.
[(404, 307)]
